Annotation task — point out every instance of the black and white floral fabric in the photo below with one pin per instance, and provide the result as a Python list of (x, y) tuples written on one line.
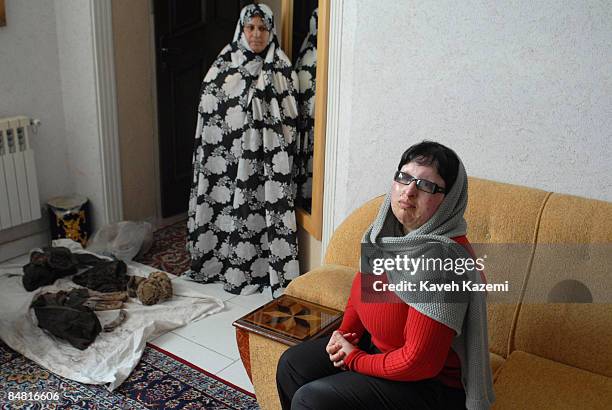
[(241, 226), (306, 68)]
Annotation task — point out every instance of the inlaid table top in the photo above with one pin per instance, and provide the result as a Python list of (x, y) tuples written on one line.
[(290, 320)]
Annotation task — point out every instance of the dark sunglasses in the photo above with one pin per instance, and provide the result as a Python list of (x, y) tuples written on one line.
[(421, 184)]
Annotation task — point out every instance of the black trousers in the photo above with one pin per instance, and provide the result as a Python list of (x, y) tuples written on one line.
[(306, 379)]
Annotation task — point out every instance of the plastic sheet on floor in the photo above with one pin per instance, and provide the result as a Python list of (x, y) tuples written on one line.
[(113, 355)]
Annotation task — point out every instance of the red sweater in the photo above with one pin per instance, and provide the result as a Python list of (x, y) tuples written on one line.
[(418, 350)]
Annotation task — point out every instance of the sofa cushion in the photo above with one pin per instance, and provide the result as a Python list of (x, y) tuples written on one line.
[(527, 381), (327, 285), (496, 362), (571, 264), (504, 217), (572, 219), (502, 213)]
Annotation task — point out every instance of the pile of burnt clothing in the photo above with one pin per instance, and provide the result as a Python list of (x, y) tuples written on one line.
[(70, 315), (51, 263)]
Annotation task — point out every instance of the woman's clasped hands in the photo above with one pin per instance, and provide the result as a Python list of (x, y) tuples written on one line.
[(340, 346)]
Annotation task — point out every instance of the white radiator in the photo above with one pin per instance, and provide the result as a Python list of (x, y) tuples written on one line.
[(19, 199)]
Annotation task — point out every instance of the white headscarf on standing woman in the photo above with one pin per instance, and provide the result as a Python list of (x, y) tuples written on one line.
[(241, 226)]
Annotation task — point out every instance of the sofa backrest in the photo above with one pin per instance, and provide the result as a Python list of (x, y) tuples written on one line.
[(496, 213), (345, 245), (573, 256), (502, 213)]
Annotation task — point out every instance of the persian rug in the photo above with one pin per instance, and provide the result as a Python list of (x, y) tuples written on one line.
[(160, 381), (168, 252)]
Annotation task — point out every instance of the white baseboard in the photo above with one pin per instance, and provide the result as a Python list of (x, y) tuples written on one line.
[(18, 247)]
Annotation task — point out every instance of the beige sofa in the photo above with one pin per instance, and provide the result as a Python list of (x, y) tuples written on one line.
[(543, 355)]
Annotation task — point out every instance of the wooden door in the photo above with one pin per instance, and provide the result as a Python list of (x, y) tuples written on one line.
[(189, 34)]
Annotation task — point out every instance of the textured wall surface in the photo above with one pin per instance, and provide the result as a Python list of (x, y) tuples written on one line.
[(521, 90), (30, 84)]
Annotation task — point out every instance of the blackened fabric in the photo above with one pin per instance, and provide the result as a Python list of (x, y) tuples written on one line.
[(59, 258), (52, 263), (86, 259), (48, 265), (241, 226), (63, 315), (307, 379), (306, 69), (36, 276), (105, 277)]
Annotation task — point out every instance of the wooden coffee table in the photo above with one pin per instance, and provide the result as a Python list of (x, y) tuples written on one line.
[(287, 320)]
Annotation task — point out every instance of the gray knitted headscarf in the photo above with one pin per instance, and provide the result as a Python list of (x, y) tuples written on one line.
[(467, 316)]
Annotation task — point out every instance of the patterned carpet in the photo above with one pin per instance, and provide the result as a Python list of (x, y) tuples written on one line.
[(168, 252), (160, 381)]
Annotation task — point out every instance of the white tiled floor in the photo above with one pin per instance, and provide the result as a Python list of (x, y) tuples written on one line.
[(209, 343)]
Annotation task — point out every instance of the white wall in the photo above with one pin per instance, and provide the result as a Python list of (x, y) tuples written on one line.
[(30, 84), (47, 73), (521, 90)]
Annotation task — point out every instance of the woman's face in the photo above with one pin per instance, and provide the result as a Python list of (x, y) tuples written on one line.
[(257, 34), (412, 207)]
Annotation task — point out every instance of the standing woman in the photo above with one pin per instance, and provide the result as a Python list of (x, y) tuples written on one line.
[(241, 227)]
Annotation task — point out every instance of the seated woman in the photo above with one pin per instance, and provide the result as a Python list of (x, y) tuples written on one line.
[(408, 355)]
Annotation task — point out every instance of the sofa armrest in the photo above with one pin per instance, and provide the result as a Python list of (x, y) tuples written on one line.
[(327, 285)]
